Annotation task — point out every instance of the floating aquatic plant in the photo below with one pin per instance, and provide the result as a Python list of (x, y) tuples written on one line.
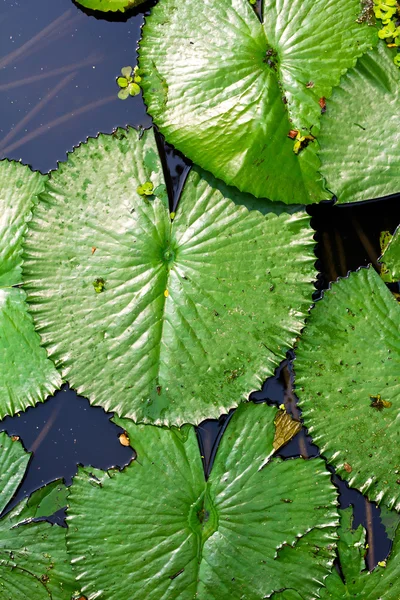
[(194, 312), (129, 82), (257, 525)]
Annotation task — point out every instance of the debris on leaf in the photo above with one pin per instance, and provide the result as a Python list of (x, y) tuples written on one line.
[(347, 467), (146, 189), (302, 142), (285, 429), (293, 133), (124, 439), (379, 403), (99, 285)]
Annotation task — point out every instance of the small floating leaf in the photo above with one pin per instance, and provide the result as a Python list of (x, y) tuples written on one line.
[(347, 378), (172, 534), (217, 260)]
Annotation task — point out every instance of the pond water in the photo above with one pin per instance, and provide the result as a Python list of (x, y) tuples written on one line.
[(58, 67)]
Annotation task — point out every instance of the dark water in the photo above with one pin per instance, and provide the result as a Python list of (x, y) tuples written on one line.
[(58, 66)]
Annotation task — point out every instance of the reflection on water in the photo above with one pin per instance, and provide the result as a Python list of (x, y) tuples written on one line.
[(57, 85)]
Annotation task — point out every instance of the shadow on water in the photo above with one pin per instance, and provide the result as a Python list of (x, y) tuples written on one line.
[(57, 87), (348, 235)]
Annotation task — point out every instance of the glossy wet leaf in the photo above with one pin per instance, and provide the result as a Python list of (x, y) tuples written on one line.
[(26, 374), (381, 583), (33, 556), (257, 525), (226, 90), (361, 158), (110, 5), (390, 259), (348, 382), (192, 315)]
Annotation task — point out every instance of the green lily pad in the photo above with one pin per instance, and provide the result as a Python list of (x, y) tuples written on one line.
[(357, 582), (110, 5), (360, 159), (390, 258), (33, 555), (259, 523), (348, 382), (162, 321), (26, 374), (226, 90)]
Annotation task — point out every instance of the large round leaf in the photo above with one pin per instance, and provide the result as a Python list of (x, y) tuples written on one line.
[(26, 374), (160, 321), (391, 258), (348, 382), (357, 582), (226, 89), (110, 5), (360, 133), (33, 556), (257, 525)]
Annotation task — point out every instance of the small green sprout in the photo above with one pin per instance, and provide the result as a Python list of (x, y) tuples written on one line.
[(146, 189), (99, 285), (129, 82)]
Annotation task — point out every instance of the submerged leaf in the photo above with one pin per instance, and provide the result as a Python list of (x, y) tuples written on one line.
[(34, 561), (259, 523), (228, 101), (357, 582), (110, 5), (195, 313), (360, 157), (26, 374), (347, 379)]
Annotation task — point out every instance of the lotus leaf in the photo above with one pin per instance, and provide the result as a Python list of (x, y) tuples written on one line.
[(348, 381), (258, 524), (231, 93), (34, 561), (163, 321), (110, 5), (26, 374), (357, 581), (360, 135)]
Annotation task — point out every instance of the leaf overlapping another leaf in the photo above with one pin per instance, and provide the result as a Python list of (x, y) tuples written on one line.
[(259, 523), (359, 138), (191, 314), (26, 374), (33, 556), (229, 101)]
